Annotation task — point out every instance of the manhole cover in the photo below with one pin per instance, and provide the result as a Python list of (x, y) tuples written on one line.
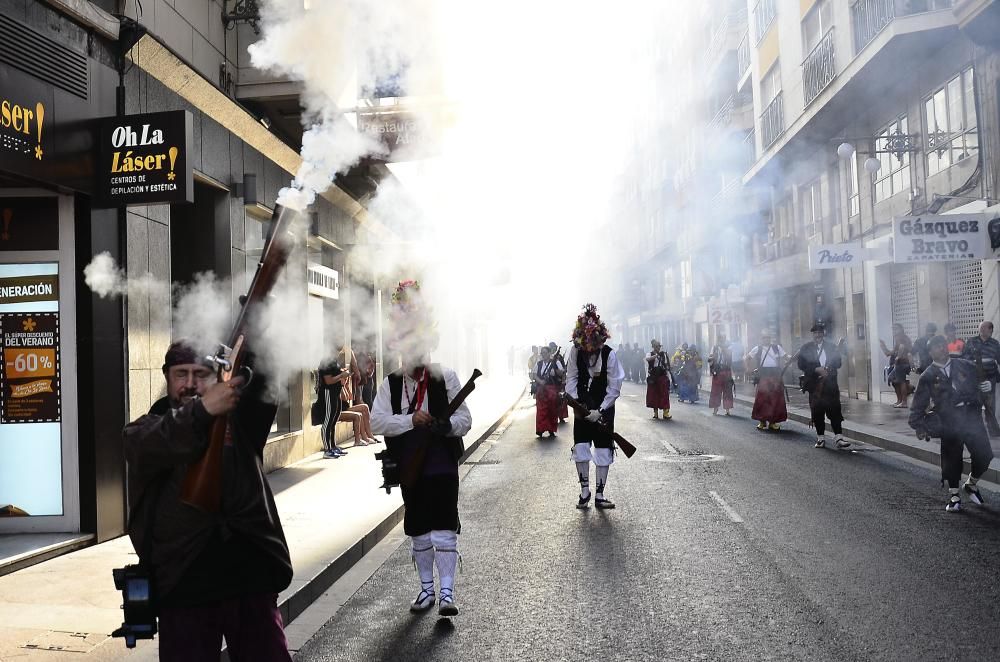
[(684, 458)]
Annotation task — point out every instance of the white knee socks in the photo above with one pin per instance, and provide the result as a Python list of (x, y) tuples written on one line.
[(423, 560)]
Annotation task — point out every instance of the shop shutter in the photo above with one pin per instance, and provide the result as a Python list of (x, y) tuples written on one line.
[(904, 301), (965, 296)]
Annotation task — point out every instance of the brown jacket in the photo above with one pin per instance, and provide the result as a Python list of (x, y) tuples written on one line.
[(160, 446)]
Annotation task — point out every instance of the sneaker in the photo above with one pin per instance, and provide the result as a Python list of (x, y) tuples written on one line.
[(584, 502), (954, 504), (330, 455), (447, 606), (604, 503), (423, 601), (775, 426), (820, 443), (842, 443), (974, 495)]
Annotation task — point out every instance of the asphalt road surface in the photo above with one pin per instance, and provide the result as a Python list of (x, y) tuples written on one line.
[(727, 544)]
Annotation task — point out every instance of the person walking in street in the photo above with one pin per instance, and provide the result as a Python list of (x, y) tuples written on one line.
[(677, 363), (594, 377), (560, 360), (691, 365), (956, 346), (216, 574), (769, 399), (548, 379), (411, 411), (819, 362), (899, 364), (720, 363), (532, 362), (984, 352), (658, 381), (638, 364), (946, 405), (920, 351), (330, 379)]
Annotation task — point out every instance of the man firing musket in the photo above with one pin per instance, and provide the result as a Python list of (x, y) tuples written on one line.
[(594, 379)]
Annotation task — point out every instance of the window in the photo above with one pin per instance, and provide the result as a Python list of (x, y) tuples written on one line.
[(770, 85), (855, 186), (816, 24), (894, 174), (784, 217), (687, 279), (811, 206), (952, 134), (764, 14)]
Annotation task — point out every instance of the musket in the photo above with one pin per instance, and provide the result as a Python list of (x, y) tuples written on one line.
[(581, 410), (202, 486), (411, 472)]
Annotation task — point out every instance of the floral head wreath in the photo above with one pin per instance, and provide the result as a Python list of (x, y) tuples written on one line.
[(403, 295), (413, 330), (590, 333)]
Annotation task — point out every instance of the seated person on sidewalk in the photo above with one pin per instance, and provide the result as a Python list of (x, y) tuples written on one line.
[(357, 415), (947, 405), (819, 362), (216, 574), (411, 411)]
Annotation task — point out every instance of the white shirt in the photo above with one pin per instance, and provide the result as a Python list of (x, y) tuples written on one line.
[(822, 356), (772, 355), (616, 375), (392, 425)]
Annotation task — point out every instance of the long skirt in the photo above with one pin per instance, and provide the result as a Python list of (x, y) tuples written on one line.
[(688, 388), (547, 409), (658, 393), (722, 390), (769, 403)]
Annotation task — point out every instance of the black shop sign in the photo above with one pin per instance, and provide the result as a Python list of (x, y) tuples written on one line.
[(143, 159)]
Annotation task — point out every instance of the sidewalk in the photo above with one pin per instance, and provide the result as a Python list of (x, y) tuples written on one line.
[(332, 512), (872, 423)]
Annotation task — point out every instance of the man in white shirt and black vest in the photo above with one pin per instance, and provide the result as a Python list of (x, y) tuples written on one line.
[(411, 411), (819, 362), (594, 378)]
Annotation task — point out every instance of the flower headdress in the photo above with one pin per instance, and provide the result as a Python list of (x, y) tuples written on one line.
[(413, 332), (590, 333)]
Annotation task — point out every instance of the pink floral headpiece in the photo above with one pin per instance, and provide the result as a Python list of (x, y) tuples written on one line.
[(590, 333)]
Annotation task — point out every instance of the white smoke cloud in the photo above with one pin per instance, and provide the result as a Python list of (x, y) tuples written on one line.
[(104, 277)]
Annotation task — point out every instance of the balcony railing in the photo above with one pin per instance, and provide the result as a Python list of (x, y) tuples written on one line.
[(749, 150), (743, 56), (870, 17), (819, 68), (772, 122), (763, 15)]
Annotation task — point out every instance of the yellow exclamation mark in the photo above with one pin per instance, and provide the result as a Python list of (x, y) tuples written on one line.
[(40, 114), (172, 153)]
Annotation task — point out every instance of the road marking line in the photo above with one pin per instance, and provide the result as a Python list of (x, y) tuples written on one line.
[(670, 447), (733, 515)]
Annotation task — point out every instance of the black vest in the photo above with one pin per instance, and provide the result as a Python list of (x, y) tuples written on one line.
[(591, 390), (437, 405)]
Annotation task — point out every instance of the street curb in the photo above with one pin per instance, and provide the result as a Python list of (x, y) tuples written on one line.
[(299, 601), (868, 435)]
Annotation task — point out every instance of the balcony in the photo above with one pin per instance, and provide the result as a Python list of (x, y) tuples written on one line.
[(749, 150), (724, 41), (819, 68), (772, 122), (743, 60), (870, 17), (735, 114)]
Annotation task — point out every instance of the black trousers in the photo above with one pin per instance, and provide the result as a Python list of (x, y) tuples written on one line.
[(825, 404), (966, 426)]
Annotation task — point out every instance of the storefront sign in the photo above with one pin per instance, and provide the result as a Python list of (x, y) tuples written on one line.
[(836, 256), (26, 123), (323, 282), (30, 371), (43, 287), (143, 159), (724, 314), (941, 238), (404, 135)]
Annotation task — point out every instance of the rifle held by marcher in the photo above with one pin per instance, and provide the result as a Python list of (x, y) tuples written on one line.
[(202, 486), (411, 471), (627, 448)]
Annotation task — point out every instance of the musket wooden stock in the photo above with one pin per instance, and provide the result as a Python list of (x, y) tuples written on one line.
[(411, 472), (627, 447), (202, 487)]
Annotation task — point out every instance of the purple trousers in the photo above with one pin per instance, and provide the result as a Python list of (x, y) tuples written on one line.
[(251, 625)]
